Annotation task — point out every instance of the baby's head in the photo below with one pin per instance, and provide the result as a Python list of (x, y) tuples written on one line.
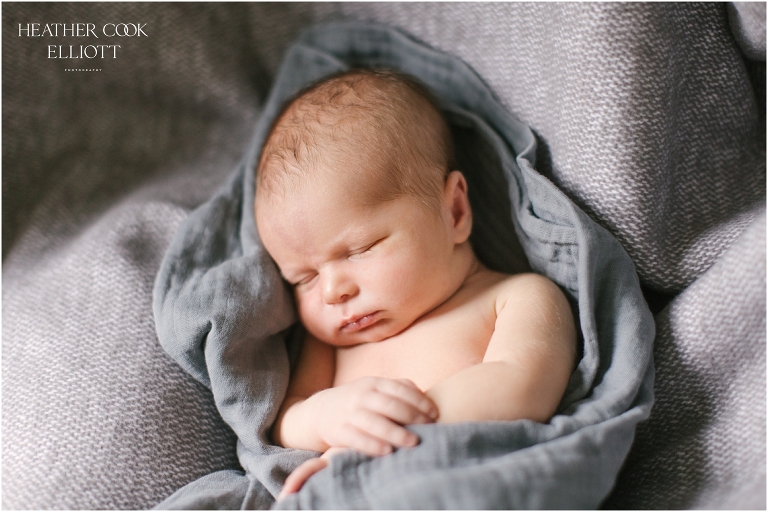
[(376, 131), (359, 203)]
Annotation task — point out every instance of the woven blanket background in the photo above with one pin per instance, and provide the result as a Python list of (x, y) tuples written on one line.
[(647, 117)]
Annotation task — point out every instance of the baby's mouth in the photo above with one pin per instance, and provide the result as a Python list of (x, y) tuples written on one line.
[(359, 323)]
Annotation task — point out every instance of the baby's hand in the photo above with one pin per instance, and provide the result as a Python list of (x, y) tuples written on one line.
[(306, 469), (368, 414)]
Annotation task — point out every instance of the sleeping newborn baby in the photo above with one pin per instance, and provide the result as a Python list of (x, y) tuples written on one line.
[(359, 203)]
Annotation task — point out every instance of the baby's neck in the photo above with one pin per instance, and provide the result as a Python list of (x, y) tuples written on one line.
[(465, 269), (468, 264)]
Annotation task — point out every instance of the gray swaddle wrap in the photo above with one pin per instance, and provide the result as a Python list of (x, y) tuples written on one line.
[(224, 314)]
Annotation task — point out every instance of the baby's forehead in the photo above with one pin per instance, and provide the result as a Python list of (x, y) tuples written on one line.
[(341, 186)]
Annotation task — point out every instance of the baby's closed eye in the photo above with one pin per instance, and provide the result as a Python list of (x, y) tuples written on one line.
[(357, 253), (301, 280)]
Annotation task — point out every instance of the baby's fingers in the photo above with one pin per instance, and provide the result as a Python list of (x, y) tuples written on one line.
[(398, 409), (301, 474), (358, 438), (405, 390), (380, 429)]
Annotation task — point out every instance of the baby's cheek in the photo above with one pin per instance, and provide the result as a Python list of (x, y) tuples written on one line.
[(309, 310), (400, 280)]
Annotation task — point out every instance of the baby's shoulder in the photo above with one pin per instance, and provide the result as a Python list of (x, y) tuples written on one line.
[(522, 289), (493, 291)]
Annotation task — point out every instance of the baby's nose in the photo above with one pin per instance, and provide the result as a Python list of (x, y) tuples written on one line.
[(338, 288)]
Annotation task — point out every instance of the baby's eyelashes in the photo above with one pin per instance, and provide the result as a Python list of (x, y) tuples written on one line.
[(364, 250), (302, 281)]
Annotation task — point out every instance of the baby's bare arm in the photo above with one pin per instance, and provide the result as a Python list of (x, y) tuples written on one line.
[(528, 362), (313, 373), (367, 414)]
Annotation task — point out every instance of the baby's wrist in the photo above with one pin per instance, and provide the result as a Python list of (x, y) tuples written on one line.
[(315, 409), (294, 427)]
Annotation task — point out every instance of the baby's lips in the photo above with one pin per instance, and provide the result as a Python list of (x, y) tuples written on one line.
[(358, 323)]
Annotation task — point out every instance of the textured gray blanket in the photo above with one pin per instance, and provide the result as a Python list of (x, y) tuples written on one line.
[(222, 312), (649, 116)]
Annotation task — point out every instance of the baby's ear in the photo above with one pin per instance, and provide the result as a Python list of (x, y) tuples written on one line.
[(457, 205)]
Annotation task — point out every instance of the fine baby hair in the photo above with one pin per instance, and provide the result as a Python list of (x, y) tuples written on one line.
[(382, 125)]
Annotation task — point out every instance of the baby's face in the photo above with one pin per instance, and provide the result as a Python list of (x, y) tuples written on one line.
[(360, 274)]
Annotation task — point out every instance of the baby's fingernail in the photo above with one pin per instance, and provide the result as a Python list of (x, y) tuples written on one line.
[(434, 413)]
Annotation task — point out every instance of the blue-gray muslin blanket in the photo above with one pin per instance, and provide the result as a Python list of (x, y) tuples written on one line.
[(224, 314)]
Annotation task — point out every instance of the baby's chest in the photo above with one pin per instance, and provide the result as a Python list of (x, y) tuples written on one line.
[(427, 352)]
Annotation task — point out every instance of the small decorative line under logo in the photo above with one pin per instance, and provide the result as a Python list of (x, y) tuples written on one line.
[(81, 69)]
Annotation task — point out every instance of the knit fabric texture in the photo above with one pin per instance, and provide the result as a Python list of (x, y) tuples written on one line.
[(701, 447)]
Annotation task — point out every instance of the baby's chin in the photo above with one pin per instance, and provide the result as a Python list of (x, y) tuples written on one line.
[(380, 331)]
